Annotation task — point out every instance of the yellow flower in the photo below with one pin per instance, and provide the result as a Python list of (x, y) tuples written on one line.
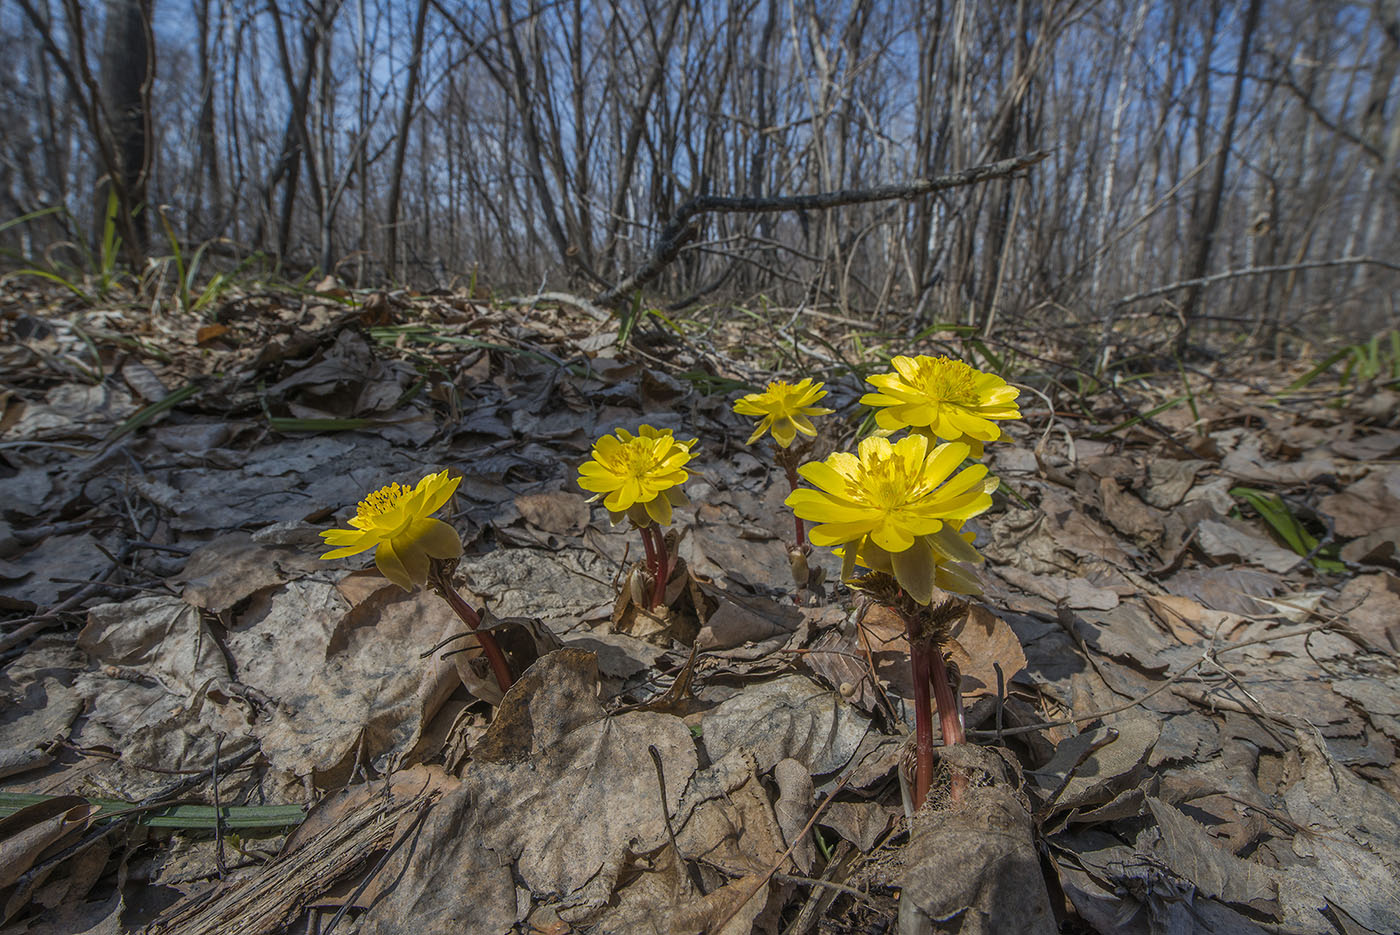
[(638, 476), (785, 408), (943, 398), (897, 503), (396, 522)]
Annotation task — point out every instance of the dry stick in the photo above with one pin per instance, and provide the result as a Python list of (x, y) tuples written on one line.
[(679, 231), (1254, 271), (691, 871), (471, 618)]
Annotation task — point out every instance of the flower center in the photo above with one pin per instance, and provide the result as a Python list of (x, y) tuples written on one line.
[(885, 483), (636, 458), (382, 501), (782, 394), (947, 381)]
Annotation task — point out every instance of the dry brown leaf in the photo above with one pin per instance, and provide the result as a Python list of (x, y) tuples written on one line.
[(1354, 511), (1231, 590), (361, 700), (162, 637), (233, 567), (1380, 548), (1128, 514), (559, 512), (1232, 541), (1092, 768), (536, 798), (972, 867), (981, 643), (1370, 607), (791, 717), (1069, 592)]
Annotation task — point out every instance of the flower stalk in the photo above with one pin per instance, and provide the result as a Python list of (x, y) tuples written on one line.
[(658, 563), (786, 410), (921, 668), (441, 582), (412, 549), (788, 459), (927, 630)]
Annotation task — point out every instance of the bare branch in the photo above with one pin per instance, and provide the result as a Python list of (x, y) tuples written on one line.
[(1253, 271), (679, 231)]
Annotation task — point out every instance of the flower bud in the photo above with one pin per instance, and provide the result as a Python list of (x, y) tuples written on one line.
[(637, 583), (801, 572)]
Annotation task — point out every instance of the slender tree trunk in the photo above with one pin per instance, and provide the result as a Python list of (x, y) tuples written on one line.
[(410, 94), (1205, 238), (128, 64)]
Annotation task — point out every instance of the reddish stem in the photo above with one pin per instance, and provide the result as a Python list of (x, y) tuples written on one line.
[(469, 616), (649, 547), (663, 567), (919, 662), (949, 707), (950, 718), (791, 470)]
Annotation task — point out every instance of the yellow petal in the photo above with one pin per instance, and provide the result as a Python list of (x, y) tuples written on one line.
[(958, 578), (392, 567), (892, 537), (659, 509), (915, 569), (953, 545), (784, 431), (439, 487), (758, 432), (829, 534), (435, 538)]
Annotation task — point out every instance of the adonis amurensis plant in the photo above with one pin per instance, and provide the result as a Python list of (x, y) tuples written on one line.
[(897, 509), (638, 478), (413, 548), (786, 409)]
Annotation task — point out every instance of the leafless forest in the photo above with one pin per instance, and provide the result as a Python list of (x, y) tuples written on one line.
[(1227, 161)]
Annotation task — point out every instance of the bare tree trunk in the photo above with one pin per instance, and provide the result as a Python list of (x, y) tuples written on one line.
[(415, 62), (128, 63), (206, 203), (1205, 237)]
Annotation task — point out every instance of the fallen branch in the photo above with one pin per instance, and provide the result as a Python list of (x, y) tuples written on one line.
[(1253, 271), (679, 231)]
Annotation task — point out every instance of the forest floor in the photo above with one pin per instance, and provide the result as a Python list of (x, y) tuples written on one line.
[(1181, 685)]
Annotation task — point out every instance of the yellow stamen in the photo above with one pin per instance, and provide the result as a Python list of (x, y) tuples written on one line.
[(382, 501), (947, 380)]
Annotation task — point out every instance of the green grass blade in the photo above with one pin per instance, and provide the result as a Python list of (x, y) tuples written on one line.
[(186, 817), (1316, 371), (31, 216), (54, 277), (1276, 513), (1140, 417), (148, 413)]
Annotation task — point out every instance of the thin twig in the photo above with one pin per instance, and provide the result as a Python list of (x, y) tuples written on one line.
[(690, 869), (783, 857)]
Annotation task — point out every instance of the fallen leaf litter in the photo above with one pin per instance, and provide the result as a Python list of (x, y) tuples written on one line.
[(1193, 723)]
